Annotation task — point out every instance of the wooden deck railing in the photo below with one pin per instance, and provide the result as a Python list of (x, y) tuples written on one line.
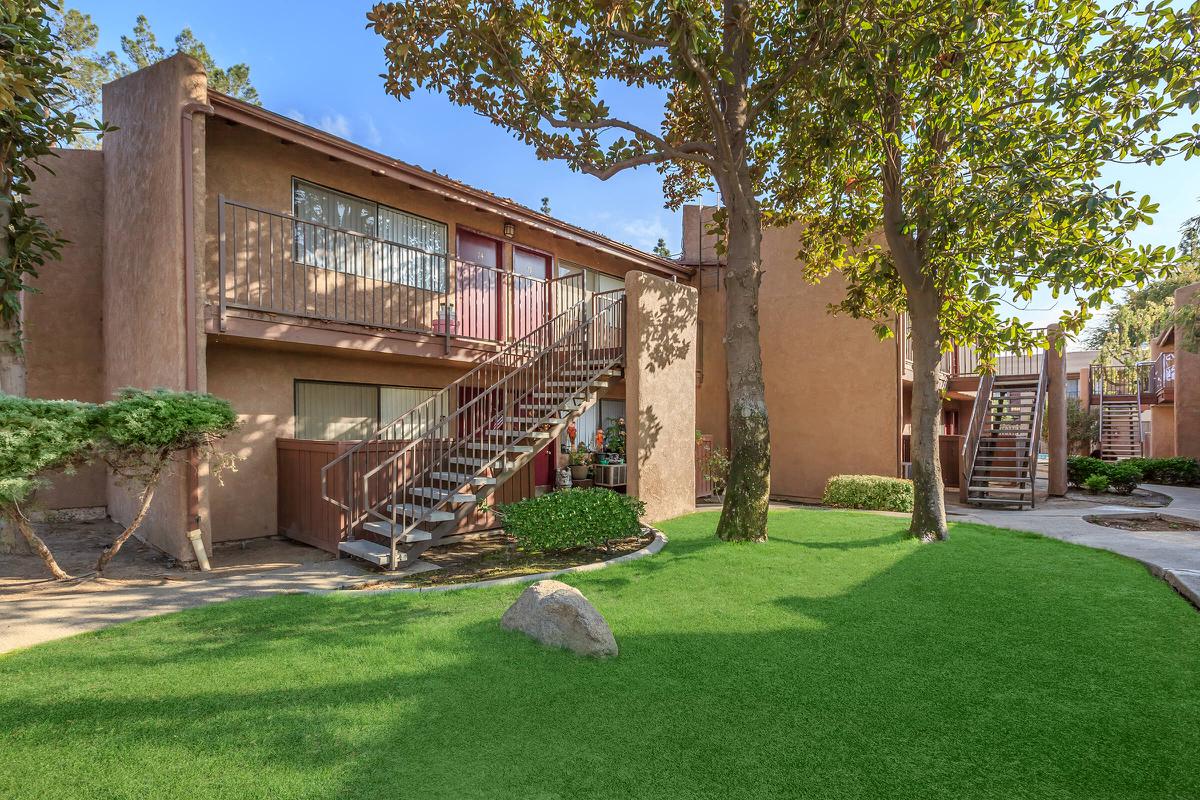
[(276, 263)]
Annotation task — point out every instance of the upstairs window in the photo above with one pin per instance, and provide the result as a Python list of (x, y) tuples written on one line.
[(352, 235)]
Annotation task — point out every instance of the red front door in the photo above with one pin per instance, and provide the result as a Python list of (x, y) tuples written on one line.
[(476, 294)]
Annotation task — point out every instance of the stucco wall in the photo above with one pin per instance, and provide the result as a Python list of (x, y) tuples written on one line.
[(248, 166), (1187, 385), (259, 381), (712, 396), (1162, 431), (64, 330), (660, 375), (143, 259)]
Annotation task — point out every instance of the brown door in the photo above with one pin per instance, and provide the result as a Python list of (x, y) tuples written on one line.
[(530, 301), (476, 291)]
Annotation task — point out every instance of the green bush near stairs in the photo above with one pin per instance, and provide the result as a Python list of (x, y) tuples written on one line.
[(1123, 476), (571, 518), (870, 492)]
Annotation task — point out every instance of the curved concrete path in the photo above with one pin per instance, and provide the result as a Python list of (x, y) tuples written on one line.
[(1173, 556)]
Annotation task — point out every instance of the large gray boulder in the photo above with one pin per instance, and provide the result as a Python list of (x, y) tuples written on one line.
[(560, 616)]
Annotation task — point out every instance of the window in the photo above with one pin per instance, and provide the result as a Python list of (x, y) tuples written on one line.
[(598, 417), (593, 281), (1073, 388), (352, 411), (327, 222)]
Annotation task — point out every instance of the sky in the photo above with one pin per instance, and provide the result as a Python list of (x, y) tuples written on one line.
[(317, 62)]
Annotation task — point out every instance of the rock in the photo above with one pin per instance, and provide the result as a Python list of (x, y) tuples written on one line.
[(560, 616)]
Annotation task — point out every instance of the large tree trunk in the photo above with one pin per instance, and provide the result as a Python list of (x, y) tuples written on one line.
[(17, 520), (929, 508), (744, 512), (143, 507)]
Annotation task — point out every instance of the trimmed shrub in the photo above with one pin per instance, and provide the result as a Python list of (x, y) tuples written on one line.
[(1123, 477), (40, 436), (1080, 468), (1177, 471), (1096, 483), (871, 492), (572, 518), (152, 424)]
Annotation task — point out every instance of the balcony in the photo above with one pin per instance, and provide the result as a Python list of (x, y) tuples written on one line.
[(274, 264), (964, 364), (1148, 382)]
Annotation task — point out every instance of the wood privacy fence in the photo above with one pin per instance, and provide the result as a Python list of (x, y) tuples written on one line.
[(950, 453), (704, 448), (304, 515)]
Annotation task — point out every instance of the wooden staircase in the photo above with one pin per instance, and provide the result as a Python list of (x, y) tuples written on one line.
[(408, 487), (1000, 453), (1120, 429)]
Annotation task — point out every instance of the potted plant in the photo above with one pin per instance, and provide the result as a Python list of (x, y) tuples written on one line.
[(579, 460), (614, 436)]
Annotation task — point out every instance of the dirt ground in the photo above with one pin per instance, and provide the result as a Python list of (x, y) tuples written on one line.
[(1144, 522), (77, 545)]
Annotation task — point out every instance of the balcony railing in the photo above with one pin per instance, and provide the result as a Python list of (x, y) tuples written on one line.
[(965, 360), (1160, 375), (275, 263)]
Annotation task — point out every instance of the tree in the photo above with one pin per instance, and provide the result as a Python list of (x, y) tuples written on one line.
[(544, 70), (1127, 329), (661, 248), (37, 437), (141, 434), (33, 119), (952, 155), (89, 68)]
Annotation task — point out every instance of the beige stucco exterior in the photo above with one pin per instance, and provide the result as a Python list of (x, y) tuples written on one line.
[(1187, 385), (64, 323), (660, 370)]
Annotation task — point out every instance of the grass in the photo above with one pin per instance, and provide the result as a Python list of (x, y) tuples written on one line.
[(837, 660)]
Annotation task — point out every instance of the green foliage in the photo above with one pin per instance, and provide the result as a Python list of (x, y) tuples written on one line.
[(1080, 468), (1083, 425), (1122, 476), (572, 518), (716, 470), (1125, 334), (140, 430), (40, 436), (33, 120), (1176, 471), (89, 68), (1097, 483), (580, 456), (614, 436), (873, 492)]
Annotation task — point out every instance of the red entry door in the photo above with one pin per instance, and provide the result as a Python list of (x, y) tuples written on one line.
[(476, 294), (530, 299)]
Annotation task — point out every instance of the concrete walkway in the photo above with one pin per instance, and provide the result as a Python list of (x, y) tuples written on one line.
[(53, 613), (1173, 556)]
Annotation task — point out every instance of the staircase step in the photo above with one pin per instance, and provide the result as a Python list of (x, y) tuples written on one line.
[(397, 532), (436, 493), (475, 462), (500, 447), (569, 405), (997, 489), (995, 501), (463, 478), (368, 551), (575, 384), (415, 512), (544, 420)]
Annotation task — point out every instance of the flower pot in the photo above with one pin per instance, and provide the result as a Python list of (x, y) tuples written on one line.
[(579, 472)]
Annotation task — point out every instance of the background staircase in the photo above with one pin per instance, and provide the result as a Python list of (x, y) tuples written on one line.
[(409, 486), (1000, 455), (1120, 429)]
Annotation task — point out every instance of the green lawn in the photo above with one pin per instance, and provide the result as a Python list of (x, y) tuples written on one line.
[(838, 660)]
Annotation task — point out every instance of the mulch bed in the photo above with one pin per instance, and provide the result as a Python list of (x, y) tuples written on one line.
[(1141, 498), (1144, 522), (494, 555)]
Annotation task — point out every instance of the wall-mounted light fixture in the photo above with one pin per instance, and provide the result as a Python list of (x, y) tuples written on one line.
[(510, 230)]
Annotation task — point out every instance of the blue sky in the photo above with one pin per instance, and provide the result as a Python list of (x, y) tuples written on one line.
[(318, 63)]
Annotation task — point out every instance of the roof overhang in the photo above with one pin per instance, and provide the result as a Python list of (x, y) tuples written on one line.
[(287, 129)]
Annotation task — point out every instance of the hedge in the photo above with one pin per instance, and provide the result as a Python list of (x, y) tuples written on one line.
[(871, 492), (572, 518), (1177, 471), (1122, 476)]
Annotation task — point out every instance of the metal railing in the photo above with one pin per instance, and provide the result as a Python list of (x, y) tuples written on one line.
[(1160, 375), (273, 262), (1120, 380), (389, 476), (965, 360)]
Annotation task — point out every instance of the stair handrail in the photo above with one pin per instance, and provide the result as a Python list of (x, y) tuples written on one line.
[(1035, 433), (1141, 436), (462, 441), (970, 449), (517, 348)]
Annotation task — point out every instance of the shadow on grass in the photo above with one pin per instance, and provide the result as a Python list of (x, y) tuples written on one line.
[(981, 667)]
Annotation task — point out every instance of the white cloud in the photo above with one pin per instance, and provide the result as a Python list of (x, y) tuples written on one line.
[(337, 124), (642, 233), (296, 114), (371, 134)]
